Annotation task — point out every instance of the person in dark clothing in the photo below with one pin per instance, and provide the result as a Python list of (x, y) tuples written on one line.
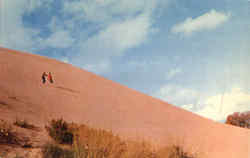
[(44, 77), (50, 78)]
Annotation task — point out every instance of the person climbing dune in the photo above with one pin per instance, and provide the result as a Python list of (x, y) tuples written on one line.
[(44, 77), (50, 78)]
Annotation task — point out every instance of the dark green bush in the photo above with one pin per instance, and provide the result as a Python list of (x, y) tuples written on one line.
[(60, 131)]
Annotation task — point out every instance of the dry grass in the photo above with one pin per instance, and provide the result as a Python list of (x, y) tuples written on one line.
[(24, 124), (56, 151), (178, 152), (97, 143), (18, 156)]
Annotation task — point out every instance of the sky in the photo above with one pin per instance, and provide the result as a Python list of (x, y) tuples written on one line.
[(192, 54)]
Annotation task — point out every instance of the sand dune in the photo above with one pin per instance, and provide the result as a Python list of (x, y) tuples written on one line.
[(83, 97)]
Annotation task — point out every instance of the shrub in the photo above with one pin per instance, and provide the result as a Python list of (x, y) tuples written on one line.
[(7, 136), (178, 152), (239, 119), (55, 151), (60, 131), (24, 124)]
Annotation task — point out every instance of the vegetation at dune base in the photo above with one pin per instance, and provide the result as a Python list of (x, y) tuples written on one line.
[(85, 142), (239, 119), (7, 136), (60, 131), (55, 151), (23, 124)]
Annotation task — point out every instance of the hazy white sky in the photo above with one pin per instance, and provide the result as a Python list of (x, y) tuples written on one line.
[(193, 54)]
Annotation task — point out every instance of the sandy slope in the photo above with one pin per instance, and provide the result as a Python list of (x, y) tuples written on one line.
[(83, 97)]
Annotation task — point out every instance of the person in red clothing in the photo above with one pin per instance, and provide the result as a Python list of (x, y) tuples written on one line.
[(50, 78)]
